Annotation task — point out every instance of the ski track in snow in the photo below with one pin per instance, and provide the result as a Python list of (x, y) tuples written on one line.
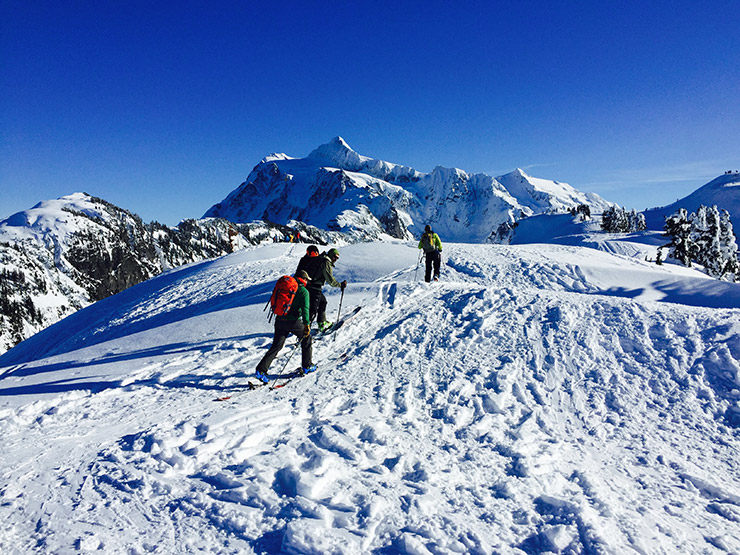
[(513, 407)]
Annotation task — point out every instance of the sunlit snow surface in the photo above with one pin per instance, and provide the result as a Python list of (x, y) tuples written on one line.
[(540, 398)]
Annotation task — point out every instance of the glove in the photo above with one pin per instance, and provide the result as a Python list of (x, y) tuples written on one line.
[(343, 284), (306, 330)]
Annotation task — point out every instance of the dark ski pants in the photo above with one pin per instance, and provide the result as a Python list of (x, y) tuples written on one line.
[(317, 308), (283, 328), (433, 258)]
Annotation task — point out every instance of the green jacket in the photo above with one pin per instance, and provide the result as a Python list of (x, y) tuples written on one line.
[(430, 242), (299, 307), (326, 275)]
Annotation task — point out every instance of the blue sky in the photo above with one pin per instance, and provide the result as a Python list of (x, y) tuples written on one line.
[(164, 108)]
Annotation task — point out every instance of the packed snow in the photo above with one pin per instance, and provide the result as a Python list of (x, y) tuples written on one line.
[(540, 398)]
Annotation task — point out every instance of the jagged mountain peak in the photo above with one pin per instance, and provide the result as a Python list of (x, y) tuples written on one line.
[(519, 172), (338, 153), (449, 173)]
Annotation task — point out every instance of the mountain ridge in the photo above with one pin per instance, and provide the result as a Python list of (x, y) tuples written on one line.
[(466, 207)]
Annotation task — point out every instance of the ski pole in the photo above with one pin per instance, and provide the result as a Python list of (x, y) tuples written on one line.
[(421, 253), (339, 312), (293, 350)]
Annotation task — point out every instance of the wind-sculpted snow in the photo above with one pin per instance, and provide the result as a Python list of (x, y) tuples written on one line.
[(538, 399)]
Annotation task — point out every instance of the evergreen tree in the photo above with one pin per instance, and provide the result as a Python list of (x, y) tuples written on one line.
[(608, 218), (582, 211), (705, 237), (678, 228), (637, 221), (707, 230), (728, 246), (698, 240)]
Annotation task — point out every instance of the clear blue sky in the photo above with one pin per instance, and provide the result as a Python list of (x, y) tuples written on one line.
[(164, 107)]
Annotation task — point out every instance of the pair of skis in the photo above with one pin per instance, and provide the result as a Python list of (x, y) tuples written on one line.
[(285, 379)]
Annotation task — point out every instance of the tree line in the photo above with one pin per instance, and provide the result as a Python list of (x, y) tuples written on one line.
[(704, 237)]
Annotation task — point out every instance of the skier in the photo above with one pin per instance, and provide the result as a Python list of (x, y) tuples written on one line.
[(295, 322), (323, 274), (432, 251), (311, 263)]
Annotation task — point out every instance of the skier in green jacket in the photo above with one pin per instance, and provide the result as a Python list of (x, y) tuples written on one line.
[(296, 322), (324, 273), (432, 247)]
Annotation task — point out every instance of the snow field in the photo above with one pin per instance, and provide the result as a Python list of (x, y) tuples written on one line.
[(526, 404)]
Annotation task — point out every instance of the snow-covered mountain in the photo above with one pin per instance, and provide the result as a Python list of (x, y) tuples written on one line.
[(64, 254), (724, 191), (336, 188), (540, 399)]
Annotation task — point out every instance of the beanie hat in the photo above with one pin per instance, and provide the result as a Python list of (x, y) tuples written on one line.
[(428, 228), (334, 253), (303, 276)]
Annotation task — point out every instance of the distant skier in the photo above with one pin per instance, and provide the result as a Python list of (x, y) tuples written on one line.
[(296, 322), (323, 272), (432, 247)]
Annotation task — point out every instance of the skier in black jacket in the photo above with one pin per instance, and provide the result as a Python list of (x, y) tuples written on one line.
[(311, 264), (321, 270)]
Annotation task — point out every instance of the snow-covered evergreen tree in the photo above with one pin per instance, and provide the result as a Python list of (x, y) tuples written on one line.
[(618, 220), (678, 228), (705, 237), (705, 233), (728, 246), (637, 221), (699, 236), (582, 212)]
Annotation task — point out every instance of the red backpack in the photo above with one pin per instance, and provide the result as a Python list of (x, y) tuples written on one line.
[(282, 296)]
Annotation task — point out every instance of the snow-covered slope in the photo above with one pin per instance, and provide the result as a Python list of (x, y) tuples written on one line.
[(724, 191), (564, 229), (539, 399), (336, 188)]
